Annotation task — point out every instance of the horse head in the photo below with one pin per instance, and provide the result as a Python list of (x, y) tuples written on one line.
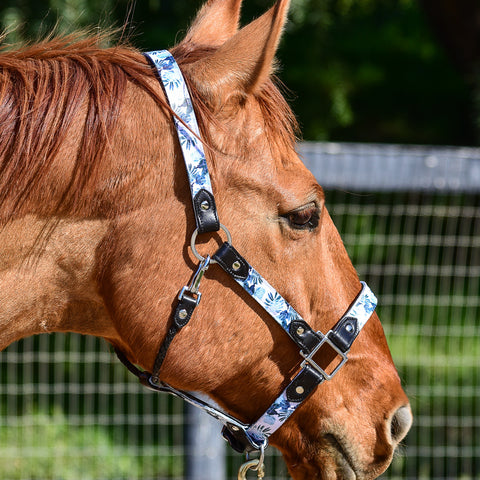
[(125, 249)]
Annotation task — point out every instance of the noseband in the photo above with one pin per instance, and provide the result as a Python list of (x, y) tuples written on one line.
[(242, 437)]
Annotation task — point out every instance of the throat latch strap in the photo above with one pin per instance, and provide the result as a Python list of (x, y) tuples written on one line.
[(188, 300)]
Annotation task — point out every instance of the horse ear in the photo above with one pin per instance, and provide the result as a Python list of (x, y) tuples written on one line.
[(215, 23), (245, 61)]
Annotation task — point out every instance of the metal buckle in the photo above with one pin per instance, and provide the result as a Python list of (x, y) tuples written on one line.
[(309, 358)]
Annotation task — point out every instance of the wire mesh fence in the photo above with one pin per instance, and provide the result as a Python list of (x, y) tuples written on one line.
[(421, 254), (69, 410)]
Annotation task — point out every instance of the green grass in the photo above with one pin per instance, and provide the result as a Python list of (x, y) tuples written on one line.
[(41, 446)]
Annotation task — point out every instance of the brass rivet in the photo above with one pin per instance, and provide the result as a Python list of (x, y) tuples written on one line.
[(205, 205), (300, 390), (236, 266), (182, 314), (234, 428), (300, 331), (349, 328)]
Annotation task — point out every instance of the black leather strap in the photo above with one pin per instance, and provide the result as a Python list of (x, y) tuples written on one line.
[(231, 261), (303, 335), (182, 315), (304, 384), (344, 333), (205, 210), (238, 439)]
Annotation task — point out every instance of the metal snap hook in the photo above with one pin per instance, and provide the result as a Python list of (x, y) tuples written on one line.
[(194, 238), (261, 457), (251, 465)]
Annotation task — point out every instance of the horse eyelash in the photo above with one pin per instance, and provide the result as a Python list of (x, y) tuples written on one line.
[(312, 222)]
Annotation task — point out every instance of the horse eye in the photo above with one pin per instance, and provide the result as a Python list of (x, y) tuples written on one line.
[(304, 218)]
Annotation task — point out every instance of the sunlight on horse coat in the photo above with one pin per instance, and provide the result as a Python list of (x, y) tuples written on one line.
[(96, 219)]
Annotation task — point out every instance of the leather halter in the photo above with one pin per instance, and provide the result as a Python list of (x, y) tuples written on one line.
[(242, 437)]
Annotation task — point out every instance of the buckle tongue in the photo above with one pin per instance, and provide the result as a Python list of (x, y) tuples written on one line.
[(309, 357)]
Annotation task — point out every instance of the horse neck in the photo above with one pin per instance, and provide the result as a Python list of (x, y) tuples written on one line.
[(47, 278), (49, 256)]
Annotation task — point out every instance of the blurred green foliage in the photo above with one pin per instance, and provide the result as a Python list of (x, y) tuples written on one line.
[(359, 70), (57, 450)]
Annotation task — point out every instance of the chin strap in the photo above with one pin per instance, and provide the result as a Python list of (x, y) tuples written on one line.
[(314, 346)]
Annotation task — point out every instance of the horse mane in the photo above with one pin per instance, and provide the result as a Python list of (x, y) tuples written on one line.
[(45, 86)]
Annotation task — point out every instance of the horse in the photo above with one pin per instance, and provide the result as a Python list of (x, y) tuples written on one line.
[(96, 219)]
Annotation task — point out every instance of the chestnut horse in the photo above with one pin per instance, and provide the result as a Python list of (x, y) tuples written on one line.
[(96, 219)]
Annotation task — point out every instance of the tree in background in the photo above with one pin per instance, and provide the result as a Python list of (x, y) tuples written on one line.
[(360, 70), (33, 19), (456, 24)]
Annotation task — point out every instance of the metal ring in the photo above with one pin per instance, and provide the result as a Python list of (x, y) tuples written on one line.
[(261, 458), (194, 238)]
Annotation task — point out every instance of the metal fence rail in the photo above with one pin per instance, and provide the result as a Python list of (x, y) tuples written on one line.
[(392, 168), (410, 219)]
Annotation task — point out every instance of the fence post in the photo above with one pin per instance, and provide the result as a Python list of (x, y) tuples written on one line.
[(205, 447)]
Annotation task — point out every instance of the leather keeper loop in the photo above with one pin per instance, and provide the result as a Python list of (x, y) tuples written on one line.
[(238, 439), (231, 261), (205, 210), (304, 384), (303, 335), (184, 311), (344, 333)]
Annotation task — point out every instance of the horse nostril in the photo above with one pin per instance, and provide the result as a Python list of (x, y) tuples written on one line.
[(401, 423)]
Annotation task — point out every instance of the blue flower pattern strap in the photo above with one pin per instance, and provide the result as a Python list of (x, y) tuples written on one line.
[(258, 288), (283, 407), (276, 415), (189, 136)]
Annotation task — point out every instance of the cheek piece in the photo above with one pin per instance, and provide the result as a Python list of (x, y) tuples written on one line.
[(241, 436)]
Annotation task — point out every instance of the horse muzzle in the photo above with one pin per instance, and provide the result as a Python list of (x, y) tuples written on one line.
[(360, 456)]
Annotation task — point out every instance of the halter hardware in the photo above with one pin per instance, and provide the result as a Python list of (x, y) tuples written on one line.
[(193, 289), (309, 356), (242, 437), (193, 240), (254, 465)]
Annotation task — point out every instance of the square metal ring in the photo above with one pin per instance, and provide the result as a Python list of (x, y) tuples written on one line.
[(309, 357)]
